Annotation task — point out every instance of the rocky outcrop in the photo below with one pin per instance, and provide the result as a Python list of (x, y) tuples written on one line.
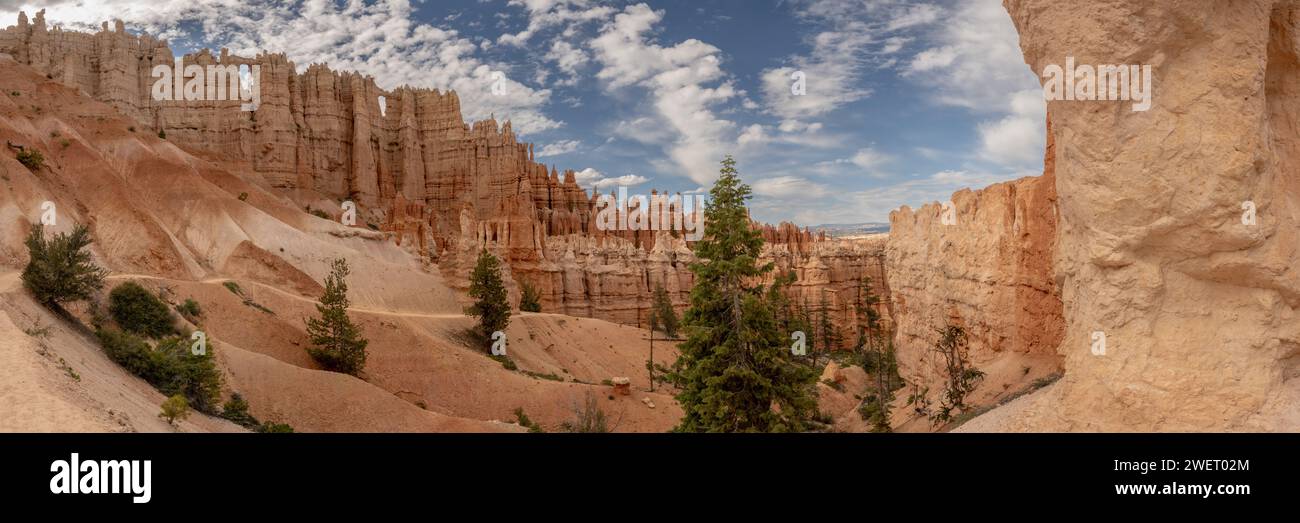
[(987, 269), (443, 189), (1157, 252)]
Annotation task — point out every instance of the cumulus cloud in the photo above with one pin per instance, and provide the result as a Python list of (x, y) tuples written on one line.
[(1017, 138), (380, 39), (558, 148), (545, 14), (975, 60), (976, 63), (685, 82), (597, 181)]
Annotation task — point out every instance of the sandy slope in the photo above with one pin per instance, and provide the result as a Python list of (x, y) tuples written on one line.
[(39, 394), (177, 223)]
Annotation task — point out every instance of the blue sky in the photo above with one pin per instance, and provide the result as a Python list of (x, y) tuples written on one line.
[(906, 101)]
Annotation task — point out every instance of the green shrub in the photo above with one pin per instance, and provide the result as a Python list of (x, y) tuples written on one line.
[(180, 371), (531, 300), (272, 427), (243, 196), (233, 287), (175, 409), (190, 308), (129, 351), (162, 134), (60, 270), (236, 410), (171, 367), (505, 361), (525, 422), (138, 310)]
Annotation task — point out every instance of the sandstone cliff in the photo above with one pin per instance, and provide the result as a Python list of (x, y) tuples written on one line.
[(442, 188), (989, 271), (1155, 252)]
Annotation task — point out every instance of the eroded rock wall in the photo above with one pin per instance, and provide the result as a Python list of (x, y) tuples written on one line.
[(443, 189), (988, 270), (1198, 307)]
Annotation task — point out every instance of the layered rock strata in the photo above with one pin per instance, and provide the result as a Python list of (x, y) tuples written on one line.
[(444, 189)]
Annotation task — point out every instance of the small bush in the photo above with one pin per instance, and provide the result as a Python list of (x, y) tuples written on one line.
[(505, 361), (131, 128), (531, 300), (236, 410), (171, 367), (175, 409), (31, 159), (64, 143), (272, 427), (162, 134), (190, 308), (525, 422), (243, 196), (587, 417), (233, 287), (195, 376), (137, 310)]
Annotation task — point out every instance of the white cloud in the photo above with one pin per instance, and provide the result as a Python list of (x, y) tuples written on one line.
[(789, 186), (567, 58), (685, 82), (975, 61), (545, 14), (595, 180), (558, 148), (869, 159), (931, 59), (855, 34), (1018, 138), (382, 40)]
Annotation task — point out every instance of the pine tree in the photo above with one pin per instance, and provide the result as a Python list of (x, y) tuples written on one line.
[(485, 286), (337, 342), (663, 316), (60, 270), (830, 338), (877, 351), (530, 300), (736, 369)]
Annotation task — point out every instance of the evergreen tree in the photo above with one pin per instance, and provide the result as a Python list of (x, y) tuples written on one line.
[(485, 286), (530, 300), (736, 369), (60, 270), (878, 358), (830, 338), (662, 314), (337, 342)]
